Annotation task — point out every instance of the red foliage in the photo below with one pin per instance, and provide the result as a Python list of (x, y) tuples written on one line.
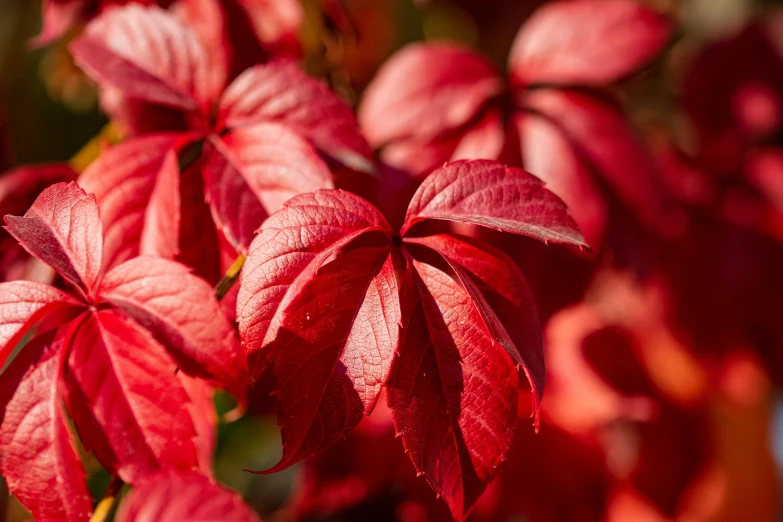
[(260, 138), (436, 102), (183, 495), (18, 190), (320, 298), (400, 296), (108, 349), (238, 33)]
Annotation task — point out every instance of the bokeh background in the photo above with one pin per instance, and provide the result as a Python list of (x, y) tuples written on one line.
[(665, 354)]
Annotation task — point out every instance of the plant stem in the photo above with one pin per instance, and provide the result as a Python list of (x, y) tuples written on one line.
[(228, 280), (109, 134), (108, 503)]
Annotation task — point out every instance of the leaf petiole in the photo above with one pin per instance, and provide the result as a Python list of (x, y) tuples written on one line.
[(228, 280)]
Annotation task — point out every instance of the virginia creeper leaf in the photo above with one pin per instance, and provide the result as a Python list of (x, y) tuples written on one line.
[(119, 383), (177, 496), (493, 195), (149, 55), (281, 92), (22, 305), (426, 90), (289, 248), (180, 310), (38, 459), (253, 170), (453, 391), (320, 297), (586, 42), (121, 379), (63, 230), (338, 341), (136, 186)]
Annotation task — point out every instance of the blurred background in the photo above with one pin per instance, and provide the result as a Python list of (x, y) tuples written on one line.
[(664, 351)]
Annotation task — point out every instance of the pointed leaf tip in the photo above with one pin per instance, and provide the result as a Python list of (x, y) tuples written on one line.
[(490, 194)]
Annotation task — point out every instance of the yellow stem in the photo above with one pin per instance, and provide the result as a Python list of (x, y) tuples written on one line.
[(108, 135), (106, 506), (228, 280), (102, 510)]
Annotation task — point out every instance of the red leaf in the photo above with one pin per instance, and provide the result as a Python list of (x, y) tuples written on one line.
[(587, 42), (136, 185), (183, 496), (415, 158), (281, 92), (19, 187), (136, 117), (38, 459), (239, 34), (339, 336), (490, 194), (607, 144), (199, 242), (426, 90), (125, 398), (22, 305), (160, 235), (285, 255), (278, 24), (205, 420), (547, 151), (315, 299), (252, 171), (57, 17), (483, 139), (180, 310), (453, 391), (147, 54), (502, 298), (63, 230)]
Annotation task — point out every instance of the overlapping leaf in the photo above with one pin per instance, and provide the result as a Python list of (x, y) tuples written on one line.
[(183, 495), (115, 355), (433, 103), (18, 189), (586, 42), (248, 132), (321, 300), (39, 460), (172, 70), (62, 229)]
